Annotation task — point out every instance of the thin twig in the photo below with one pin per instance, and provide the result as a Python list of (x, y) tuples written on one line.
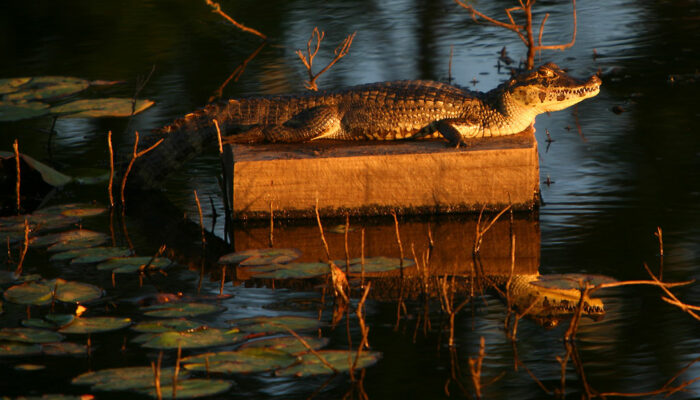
[(111, 170), (25, 246), (309, 348), (136, 154), (216, 8), (201, 219), (308, 59), (15, 147)]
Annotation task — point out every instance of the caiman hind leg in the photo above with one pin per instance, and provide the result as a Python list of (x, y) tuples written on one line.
[(312, 123), (455, 130)]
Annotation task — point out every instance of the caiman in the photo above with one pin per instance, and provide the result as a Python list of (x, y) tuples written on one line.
[(377, 111)]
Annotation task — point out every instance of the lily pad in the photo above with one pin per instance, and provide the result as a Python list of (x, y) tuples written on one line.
[(11, 111), (46, 88), (243, 361), (289, 344), (175, 310), (375, 264), (17, 349), (42, 292), (95, 108), (194, 339), (260, 256), (29, 367), (341, 360), (166, 325), (48, 174), (36, 222), (30, 293), (29, 335), (90, 254), (125, 265), (9, 85), (79, 210), (95, 324), (124, 378), (289, 271), (570, 281), (73, 239), (50, 321), (276, 324), (192, 388), (64, 349)]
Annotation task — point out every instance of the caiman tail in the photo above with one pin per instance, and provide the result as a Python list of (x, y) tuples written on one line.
[(196, 132)]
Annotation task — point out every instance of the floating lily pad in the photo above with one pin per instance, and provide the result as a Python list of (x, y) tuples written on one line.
[(72, 239), (289, 271), (36, 222), (260, 256), (192, 388), (194, 339), (44, 291), (90, 254), (276, 324), (79, 210), (176, 310), (17, 349), (243, 361), (341, 360), (50, 321), (570, 281), (11, 111), (166, 325), (339, 229), (9, 85), (29, 367), (46, 88), (95, 108), (48, 174), (125, 265), (95, 324), (125, 378), (374, 264), (54, 397), (29, 335), (289, 344), (63, 349)]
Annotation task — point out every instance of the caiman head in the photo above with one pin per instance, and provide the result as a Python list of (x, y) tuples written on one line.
[(548, 88)]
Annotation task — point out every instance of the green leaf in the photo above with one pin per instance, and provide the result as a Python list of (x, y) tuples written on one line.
[(260, 256), (175, 310), (79, 210), (193, 339), (16, 349), (46, 88), (50, 321), (64, 349), (90, 254), (41, 292), (276, 324), (124, 378), (95, 108), (125, 265), (192, 388), (29, 335), (243, 361), (289, 344), (166, 325), (9, 85), (16, 111), (76, 236), (341, 360), (95, 324), (287, 271), (48, 174)]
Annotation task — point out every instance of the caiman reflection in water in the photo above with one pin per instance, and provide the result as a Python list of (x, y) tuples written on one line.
[(444, 249)]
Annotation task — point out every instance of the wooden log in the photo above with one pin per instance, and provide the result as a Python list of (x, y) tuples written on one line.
[(374, 178)]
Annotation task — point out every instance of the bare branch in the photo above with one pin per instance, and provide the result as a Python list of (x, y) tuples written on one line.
[(217, 9), (308, 59)]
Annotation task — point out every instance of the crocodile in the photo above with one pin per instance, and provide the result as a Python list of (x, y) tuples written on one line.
[(377, 111)]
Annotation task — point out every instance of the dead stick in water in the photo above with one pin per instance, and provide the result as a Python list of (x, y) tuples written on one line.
[(111, 170), (15, 146), (201, 219)]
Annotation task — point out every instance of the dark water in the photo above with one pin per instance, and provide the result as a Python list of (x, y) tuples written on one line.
[(613, 183)]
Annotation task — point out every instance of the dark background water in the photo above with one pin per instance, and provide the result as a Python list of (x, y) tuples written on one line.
[(613, 184)]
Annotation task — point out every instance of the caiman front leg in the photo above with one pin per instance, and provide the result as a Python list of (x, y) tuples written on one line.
[(455, 130), (312, 123)]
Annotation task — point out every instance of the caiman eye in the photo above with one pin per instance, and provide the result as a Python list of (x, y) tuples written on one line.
[(545, 73)]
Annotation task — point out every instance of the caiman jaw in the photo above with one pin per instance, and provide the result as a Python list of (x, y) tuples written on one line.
[(549, 88)]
